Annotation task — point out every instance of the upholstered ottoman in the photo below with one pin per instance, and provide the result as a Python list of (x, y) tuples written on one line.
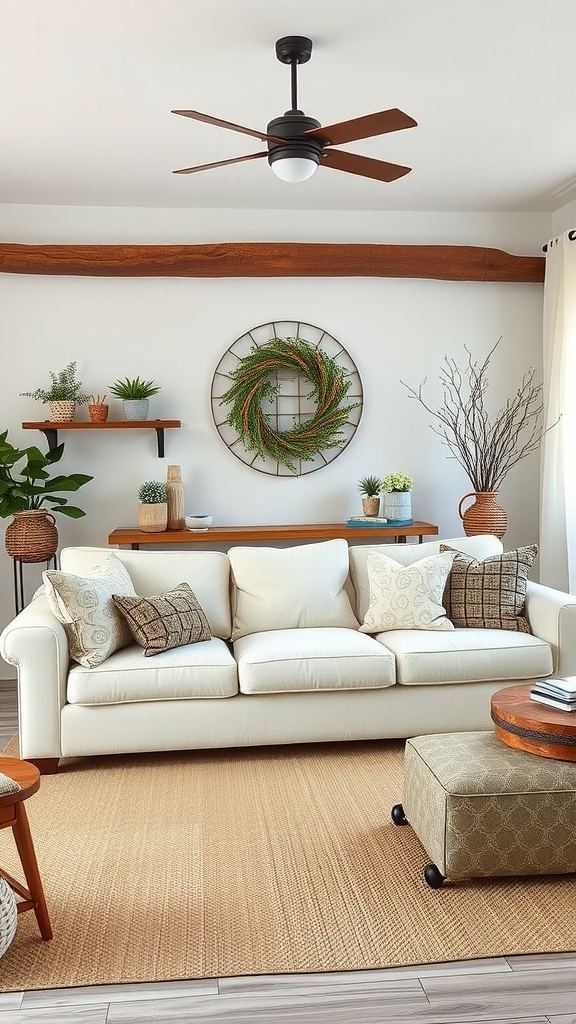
[(480, 808)]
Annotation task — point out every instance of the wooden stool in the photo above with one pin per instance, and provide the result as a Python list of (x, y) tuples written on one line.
[(13, 814)]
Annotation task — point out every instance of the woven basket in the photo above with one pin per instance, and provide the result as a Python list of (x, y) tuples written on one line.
[(484, 515), (8, 915), (62, 412), (153, 518), (98, 412), (32, 536)]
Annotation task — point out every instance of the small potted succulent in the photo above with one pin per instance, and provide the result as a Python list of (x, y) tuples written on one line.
[(370, 487), (153, 507), (62, 396), (397, 488), (134, 394)]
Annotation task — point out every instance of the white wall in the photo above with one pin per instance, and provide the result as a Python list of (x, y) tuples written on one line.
[(175, 330)]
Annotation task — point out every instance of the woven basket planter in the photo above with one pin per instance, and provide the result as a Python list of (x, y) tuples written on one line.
[(153, 518), (98, 412), (32, 536), (8, 915), (62, 412)]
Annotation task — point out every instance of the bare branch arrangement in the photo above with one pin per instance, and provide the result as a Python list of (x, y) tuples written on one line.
[(487, 450)]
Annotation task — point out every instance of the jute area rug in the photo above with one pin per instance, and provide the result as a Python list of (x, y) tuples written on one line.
[(252, 861)]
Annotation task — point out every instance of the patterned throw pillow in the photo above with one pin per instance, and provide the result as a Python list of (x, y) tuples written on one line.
[(407, 596), (489, 594), (84, 606), (168, 620)]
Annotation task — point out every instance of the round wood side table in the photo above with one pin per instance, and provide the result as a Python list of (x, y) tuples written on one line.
[(13, 815), (528, 725)]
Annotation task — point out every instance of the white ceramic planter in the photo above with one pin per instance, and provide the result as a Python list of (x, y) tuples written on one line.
[(136, 409), (397, 505)]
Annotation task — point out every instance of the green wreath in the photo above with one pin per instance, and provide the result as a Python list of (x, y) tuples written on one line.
[(252, 386)]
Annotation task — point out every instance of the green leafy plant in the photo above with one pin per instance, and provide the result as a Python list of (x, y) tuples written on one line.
[(133, 390), (370, 486), (152, 492), (397, 482), (64, 387), (29, 486)]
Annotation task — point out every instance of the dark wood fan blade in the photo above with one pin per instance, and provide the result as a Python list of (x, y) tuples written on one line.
[(208, 119), (363, 127), (221, 163), (380, 170)]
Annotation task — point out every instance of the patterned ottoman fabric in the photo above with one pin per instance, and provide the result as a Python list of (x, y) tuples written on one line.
[(480, 808)]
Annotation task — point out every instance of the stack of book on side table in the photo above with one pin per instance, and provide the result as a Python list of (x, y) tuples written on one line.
[(377, 521), (557, 691)]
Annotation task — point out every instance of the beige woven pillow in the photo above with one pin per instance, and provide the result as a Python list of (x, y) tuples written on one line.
[(406, 596), (168, 620), (84, 606), (489, 594)]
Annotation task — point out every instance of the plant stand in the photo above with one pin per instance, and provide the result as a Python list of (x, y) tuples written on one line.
[(19, 600)]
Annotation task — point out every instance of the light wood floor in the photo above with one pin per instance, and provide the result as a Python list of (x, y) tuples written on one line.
[(502, 990)]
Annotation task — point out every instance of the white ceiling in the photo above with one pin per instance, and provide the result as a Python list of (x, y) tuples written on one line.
[(87, 88)]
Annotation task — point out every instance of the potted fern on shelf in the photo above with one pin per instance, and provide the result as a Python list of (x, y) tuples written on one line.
[(153, 507), (135, 395), (62, 396)]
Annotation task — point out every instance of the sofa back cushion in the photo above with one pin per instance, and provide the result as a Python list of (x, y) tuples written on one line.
[(290, 588), (154, 572), (406, 554)]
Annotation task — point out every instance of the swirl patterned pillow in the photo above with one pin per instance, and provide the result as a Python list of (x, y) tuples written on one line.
[(84, 606), (407, 596)]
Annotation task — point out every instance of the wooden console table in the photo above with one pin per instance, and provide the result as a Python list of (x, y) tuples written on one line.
[(123, 536)]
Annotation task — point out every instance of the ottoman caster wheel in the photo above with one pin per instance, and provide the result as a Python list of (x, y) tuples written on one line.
[(398, 816), (433, 876)]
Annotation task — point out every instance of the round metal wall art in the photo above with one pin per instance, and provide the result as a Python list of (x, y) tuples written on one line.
[(286, 398)]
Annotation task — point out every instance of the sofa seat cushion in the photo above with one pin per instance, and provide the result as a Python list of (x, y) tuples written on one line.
[(205, 669), (466, 656), (327, 658)]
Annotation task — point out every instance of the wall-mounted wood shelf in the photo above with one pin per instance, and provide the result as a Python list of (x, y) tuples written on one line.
[(50, 428)]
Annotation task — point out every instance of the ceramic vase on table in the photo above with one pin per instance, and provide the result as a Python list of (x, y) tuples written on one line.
[(397, 506), (484, 515)]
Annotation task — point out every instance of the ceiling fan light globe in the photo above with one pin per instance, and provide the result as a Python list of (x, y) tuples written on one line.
[(293, 168)]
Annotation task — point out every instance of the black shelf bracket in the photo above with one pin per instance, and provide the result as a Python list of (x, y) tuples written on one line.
[(160, 437), (51, 435)]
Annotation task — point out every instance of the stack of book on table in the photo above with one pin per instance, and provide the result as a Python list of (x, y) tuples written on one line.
[(377, 521), (558, 692)]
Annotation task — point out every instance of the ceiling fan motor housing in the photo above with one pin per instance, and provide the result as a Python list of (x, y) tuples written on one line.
[(292, 127)]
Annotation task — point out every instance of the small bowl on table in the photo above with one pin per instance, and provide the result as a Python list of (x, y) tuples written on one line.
[(197, 523)]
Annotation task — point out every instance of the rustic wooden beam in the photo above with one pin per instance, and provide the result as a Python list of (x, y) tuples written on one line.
[(273, 259)]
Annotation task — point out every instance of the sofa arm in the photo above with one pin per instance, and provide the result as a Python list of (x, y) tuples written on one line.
[(552, 617), (36, 643)]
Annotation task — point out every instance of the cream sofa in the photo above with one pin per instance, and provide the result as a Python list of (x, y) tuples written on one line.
[(292, 668)]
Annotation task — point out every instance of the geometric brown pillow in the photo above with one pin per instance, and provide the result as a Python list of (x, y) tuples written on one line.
[(165, 621), (489, 594)]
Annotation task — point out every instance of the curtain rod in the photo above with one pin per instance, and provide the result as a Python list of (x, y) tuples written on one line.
[(571, 237)]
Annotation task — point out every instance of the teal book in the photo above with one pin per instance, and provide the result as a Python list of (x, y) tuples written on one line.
[(373, 523)]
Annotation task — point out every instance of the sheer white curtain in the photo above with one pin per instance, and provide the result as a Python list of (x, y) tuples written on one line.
[(558, 461)]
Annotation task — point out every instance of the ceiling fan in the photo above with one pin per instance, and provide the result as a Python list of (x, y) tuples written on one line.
[(298, 144)]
